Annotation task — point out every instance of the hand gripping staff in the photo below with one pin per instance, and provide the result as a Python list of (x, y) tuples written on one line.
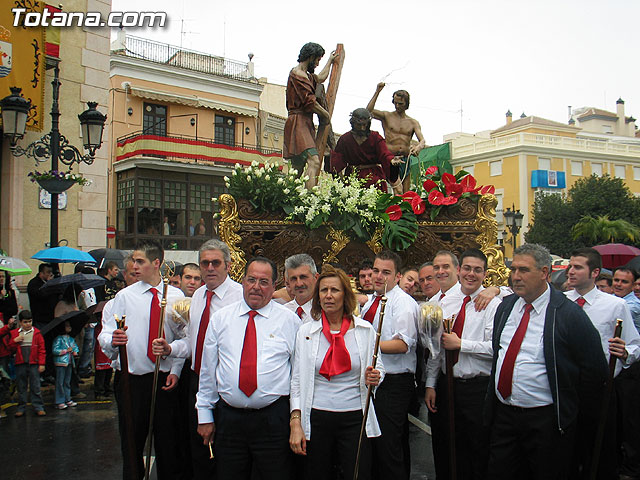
[(383, 303)]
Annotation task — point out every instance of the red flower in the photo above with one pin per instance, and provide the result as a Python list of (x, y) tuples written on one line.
[(436, 197), (431, 170), (448, 179), (418, 205), (394, 212), (449, 200), (454, 189), (429, 185), (409, 196), (488, 189), (468, 183)]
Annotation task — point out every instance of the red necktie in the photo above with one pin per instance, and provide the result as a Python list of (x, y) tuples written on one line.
[(202, 330), (371, 313), (441, 296), (581, 301), (458, 326), (299, 311), (248, 381), (506, 373), (154, 323)]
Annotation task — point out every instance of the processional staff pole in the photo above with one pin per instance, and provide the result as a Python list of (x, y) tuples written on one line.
[(332, 92), (449, 358)]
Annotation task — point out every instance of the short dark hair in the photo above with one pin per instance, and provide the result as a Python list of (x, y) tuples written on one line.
[(632, 271), (349, 299), (454, 259), (475, 253), (606, 277), (402, 94), (43, 266), (274, 269), (25, 315), (389, 255), (594, 260), (110, 264), (190, 266), (366, 264), (152, 249), (309, 50), (408, 269)]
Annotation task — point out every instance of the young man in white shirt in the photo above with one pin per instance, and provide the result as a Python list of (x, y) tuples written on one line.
[(547, 358), (245, 376), (398, 348), (603, 310), (301, 273), (140, 303), (470, 342)]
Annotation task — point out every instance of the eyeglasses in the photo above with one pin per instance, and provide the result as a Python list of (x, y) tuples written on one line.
[(476, 270), (263, 282), (215, 263)]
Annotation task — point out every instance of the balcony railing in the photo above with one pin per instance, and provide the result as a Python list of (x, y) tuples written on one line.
[(553, 141), (188, 148), (165, 54)]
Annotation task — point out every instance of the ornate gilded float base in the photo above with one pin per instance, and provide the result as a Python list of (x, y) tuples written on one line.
[(249, 233)]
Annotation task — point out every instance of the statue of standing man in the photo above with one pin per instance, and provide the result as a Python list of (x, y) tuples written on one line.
[(398, 129), (299, 133)]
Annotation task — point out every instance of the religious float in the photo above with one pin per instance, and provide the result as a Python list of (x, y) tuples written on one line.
[(269, 212)]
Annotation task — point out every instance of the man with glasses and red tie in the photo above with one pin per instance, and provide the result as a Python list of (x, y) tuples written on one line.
[(301, 273), (398, 347), (244, 380), (218, 291), (140, 303), (547, 358), (603, 310), (470, 339)]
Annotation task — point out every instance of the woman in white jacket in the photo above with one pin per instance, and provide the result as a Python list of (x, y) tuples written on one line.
[(331, 374)]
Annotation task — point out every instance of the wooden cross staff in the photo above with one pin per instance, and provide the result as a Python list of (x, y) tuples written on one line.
[(332, 91)]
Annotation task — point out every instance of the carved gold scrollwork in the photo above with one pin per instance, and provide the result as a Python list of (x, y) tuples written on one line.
[(487, 228), (227, 228), (375, 244), (338, 240)]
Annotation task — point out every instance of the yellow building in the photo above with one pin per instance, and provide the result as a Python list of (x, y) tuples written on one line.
[(83, 60), (534, 154), (180, 121)]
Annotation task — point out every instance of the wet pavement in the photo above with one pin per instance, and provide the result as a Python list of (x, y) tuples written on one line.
[(80, 442)]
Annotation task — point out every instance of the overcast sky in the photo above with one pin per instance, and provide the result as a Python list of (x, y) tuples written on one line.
[(536, 57)]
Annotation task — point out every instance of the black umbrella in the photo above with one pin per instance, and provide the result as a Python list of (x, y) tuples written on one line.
[(82, 280), (104, 255), (77, 318)]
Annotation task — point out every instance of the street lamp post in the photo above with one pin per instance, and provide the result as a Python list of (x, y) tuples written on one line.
[(513, 222), (53, 145)]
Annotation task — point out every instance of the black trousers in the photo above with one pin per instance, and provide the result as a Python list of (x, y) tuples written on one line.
[(336, 432), (203, 467), (526, 444), (390, 451), (627, 386), (246, 438), (471, 436), (102, 381), (168, 461)]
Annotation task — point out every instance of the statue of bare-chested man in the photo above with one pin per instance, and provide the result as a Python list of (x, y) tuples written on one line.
[(399, 129)]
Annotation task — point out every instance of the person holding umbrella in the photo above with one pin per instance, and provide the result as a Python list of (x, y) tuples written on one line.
[(331, 375)]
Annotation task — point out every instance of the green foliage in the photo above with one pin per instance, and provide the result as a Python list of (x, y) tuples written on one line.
[(599, 196), (599, 230), (551, 225)]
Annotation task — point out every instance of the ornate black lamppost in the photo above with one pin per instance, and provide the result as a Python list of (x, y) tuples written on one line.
[(513, 222)]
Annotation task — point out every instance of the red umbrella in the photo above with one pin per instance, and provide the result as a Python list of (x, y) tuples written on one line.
[(616, 254)]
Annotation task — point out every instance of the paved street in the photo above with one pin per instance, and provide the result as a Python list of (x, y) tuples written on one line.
[(78, 442)]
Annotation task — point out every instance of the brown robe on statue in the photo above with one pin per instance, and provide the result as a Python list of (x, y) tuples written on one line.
[(299, 132)]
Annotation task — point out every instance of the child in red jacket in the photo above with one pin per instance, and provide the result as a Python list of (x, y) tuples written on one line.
[(28, 345)]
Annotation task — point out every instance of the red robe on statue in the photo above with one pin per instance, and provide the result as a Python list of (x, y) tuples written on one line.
[(371, 159)]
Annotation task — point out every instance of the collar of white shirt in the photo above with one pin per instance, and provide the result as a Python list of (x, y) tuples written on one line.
[(590, 296), (539, 304), (265, 311), (220, 290)]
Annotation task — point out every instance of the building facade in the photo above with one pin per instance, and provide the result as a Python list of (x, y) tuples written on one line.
[(534, 154)]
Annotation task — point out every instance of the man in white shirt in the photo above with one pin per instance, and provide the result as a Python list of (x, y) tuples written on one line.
[(428, 282), (301, 273), (603, 310), (190, 279), (398, 347), (547, 358), (446, 269), (470, 341), (218, 291), (140, 303), (245, 376)]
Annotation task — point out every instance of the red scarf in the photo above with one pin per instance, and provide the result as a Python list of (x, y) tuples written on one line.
[(337, 360)]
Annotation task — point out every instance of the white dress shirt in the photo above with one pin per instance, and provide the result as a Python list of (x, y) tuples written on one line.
[(451, 298), (306, 309), (400, 322), (302, 380), (530, 387), (135, 302), (276, 329), (603, 309), (228, 292), (476, 351)]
